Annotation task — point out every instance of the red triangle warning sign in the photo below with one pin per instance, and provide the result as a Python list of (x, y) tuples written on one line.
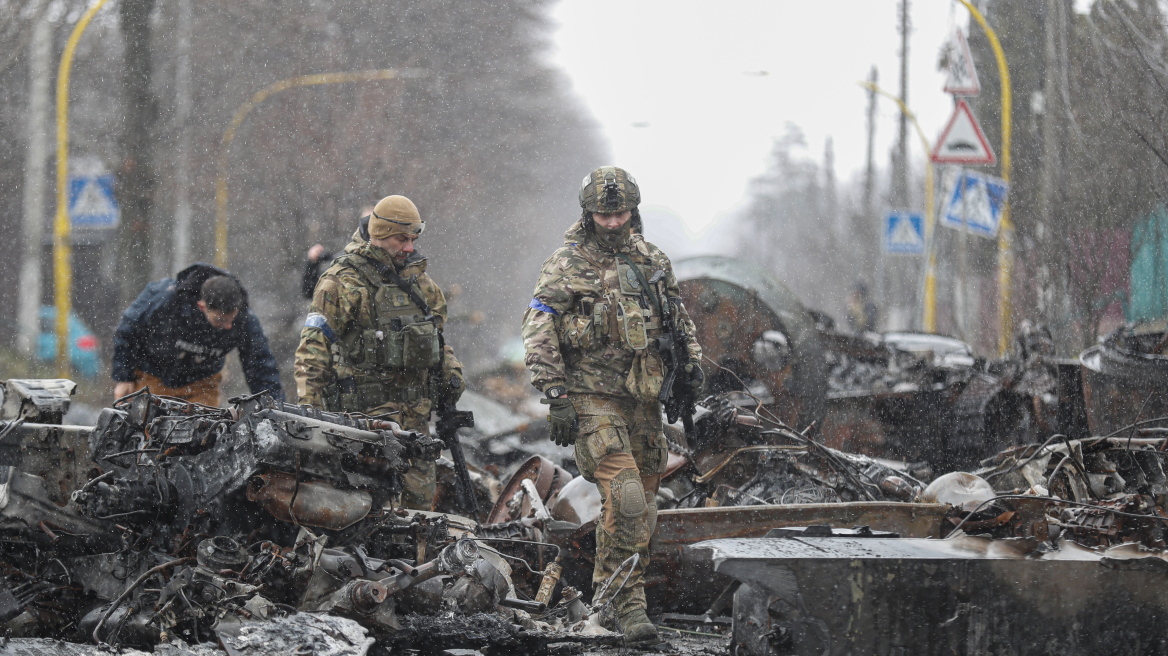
[(962, 141)]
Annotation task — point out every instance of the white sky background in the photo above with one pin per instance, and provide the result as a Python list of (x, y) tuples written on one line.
[(689, 73)]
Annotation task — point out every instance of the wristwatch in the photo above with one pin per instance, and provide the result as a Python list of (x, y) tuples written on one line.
[(556, 391)]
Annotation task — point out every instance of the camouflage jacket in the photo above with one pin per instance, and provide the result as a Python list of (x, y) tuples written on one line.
[(572, 333), (342, 297)]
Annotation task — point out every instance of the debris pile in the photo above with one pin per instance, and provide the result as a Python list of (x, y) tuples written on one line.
[(908, 396), (739, 457), (170, 524), (211, 525)]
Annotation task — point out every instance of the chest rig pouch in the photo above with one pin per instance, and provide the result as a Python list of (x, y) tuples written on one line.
[(404, 338), (394, 333), (618, 315), (631, 317)]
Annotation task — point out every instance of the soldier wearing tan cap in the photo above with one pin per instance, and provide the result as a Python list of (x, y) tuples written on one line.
[(372, 341)]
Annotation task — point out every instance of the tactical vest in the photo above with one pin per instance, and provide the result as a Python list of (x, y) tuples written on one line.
[(386, 353), (624, 316)]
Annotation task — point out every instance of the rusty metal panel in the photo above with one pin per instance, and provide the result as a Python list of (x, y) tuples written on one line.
[(311, 503), (732, 304), (681, 527)]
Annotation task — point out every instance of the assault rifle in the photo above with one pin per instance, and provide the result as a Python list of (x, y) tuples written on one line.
[(450, 419), (673, 345)]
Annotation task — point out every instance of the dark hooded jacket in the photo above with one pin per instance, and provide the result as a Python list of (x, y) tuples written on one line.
[(164, 333)]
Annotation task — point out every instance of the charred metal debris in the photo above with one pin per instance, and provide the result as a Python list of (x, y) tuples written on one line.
[(190, 525), (815, 441), (913, 397), (803, 513)]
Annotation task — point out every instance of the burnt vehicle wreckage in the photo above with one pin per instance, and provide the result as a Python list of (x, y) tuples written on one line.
[(914, 397), (806, 511), (191, 524)]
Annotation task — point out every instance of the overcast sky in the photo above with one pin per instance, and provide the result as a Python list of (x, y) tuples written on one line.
[(680, 92)]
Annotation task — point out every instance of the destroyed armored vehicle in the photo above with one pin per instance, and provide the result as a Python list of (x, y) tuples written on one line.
[(908, 396)]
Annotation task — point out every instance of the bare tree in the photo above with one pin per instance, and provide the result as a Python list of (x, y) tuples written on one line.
[(136, 176)]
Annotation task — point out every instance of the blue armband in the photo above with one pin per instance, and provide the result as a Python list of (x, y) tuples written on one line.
[(537, 305), (317, 320)]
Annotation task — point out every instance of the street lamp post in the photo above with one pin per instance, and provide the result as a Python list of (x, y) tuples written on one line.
[(62, 240), (1006, 231), (237, 119)]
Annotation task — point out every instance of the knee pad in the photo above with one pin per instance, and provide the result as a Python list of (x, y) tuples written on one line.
[(629, 494)]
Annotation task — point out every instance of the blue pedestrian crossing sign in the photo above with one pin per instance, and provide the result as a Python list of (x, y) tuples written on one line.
[(974, 203), (92, 203), (904, 233)]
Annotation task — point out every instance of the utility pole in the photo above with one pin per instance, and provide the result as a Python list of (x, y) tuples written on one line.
[(39, 77), (182, 90), (830, 203), (900, 168), (898, 296), (870, 184), (1049, 164)]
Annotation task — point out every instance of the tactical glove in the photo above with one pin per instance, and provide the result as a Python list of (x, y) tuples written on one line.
[(452, 390), (562, 418), (694, 378)]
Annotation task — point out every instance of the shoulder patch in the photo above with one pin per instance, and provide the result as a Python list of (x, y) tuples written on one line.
[(317, 320)]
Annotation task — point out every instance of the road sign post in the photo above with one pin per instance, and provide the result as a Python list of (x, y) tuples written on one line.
[(92, 203), (975, 204), (1006, 234), (962, 141), (928, 285), (62, 246), (904, 233)]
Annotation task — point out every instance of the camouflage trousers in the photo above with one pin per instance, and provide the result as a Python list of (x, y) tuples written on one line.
[(419, 483), (621, 448)]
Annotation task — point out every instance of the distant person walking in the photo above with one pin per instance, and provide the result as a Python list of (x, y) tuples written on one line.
[(175, 337), (318, 259), (862, 312)]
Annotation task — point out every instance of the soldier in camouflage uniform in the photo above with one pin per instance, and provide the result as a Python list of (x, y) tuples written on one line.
[(589, 335), (372, 342)]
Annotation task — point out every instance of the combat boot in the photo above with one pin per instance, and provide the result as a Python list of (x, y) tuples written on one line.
[(637, 628)]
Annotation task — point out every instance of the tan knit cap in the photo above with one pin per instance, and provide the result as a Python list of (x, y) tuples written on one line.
[(395, 215)]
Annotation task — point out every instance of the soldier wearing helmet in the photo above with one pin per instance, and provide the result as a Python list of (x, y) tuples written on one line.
[(372, 342), (587, 334)]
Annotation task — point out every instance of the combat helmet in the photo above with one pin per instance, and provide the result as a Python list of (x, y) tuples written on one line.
[(609, 189)]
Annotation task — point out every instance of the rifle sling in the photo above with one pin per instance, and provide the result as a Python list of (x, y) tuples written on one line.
[(644, 284), (390, 274)]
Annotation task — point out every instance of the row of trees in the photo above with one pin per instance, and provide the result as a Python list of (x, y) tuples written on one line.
[(478, 130), (1090, 163)]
